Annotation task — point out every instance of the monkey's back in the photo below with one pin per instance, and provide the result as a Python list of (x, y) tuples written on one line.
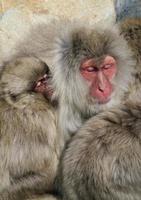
[(103, 160), (131, 29), (28, 139)]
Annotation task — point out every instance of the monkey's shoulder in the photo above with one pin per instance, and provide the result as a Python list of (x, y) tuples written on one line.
[(120, 126), (110, 136), (125, 116)]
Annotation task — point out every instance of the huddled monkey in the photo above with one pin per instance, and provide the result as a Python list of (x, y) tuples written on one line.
[(29, 140), (102, 63), (102, 161)]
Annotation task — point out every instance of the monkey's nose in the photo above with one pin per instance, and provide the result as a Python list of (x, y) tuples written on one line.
[(41, 83), (101, 86)]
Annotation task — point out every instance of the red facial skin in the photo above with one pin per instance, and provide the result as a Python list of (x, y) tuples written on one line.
[(100, 77)]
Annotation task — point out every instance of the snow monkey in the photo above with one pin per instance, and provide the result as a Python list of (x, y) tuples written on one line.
[(29, 141), (102, 161)]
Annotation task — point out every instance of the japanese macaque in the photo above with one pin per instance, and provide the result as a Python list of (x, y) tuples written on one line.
[(29, 141), (103, 161)]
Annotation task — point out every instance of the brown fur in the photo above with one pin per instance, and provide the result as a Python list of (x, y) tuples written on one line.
[(103, 160), (29, 141), (131, 29)]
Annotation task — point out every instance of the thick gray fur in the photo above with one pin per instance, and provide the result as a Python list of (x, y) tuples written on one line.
[(103, 160)]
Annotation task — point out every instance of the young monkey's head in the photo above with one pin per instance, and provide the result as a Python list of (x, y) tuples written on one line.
[(25, 75)]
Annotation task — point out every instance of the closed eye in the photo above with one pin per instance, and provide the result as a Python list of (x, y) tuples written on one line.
[(107, 66), (90, 69)]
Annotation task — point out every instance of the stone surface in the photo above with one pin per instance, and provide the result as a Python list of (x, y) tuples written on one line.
[(87, 10)]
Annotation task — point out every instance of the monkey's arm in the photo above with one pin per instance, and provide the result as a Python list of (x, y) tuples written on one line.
[(25, 187)]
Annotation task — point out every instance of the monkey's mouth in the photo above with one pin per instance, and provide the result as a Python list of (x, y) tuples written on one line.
[(43, 85), (104, 101)]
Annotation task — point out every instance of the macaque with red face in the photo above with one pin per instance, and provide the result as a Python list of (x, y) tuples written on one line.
[(102, 161), (92, 70)]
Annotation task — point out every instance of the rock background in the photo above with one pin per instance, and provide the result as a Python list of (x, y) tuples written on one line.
[(87, 10)]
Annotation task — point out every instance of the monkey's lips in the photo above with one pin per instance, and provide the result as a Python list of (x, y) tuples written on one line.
[(43, 86)]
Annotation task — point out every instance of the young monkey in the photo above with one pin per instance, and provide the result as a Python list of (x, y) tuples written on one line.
[(29, 141)]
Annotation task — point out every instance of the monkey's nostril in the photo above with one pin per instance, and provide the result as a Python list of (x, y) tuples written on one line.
[(101, 89)]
